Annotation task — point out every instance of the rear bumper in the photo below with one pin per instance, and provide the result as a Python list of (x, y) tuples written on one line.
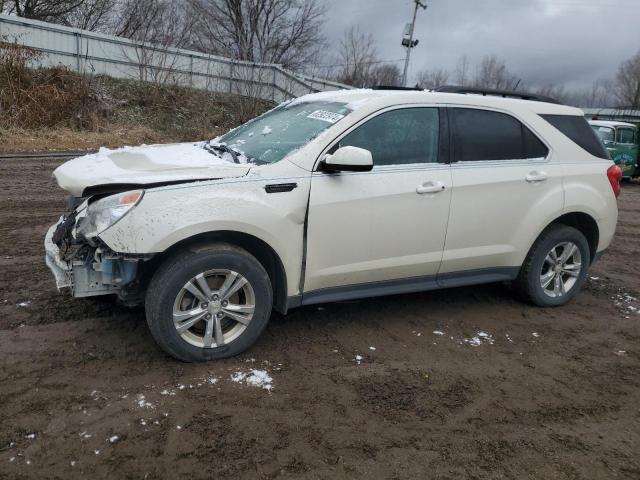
[(61, 270)]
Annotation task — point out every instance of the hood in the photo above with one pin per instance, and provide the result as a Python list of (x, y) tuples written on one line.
[(128, 168)]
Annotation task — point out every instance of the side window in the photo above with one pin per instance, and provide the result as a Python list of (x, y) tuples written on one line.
[(486, 135), (626, 135), (576, 128), (397, 137), (533, 147)]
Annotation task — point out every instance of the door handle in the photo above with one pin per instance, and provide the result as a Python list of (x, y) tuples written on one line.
[(430, 187), (535, 177)]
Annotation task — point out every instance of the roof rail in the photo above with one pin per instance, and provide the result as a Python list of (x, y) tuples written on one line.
[(391, 87), (496, 93)]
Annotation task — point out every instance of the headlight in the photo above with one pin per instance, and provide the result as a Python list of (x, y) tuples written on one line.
[(105, 212)]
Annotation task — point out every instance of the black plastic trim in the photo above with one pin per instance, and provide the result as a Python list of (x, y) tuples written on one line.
[(333, 168), (598, 255), (496, 93), (280, 187), (111, 188), (406, 285)]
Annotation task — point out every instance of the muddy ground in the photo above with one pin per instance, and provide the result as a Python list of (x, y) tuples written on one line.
[(84, 391)]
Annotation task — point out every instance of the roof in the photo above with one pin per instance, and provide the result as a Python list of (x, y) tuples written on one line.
[(610, 123), (382, 98)]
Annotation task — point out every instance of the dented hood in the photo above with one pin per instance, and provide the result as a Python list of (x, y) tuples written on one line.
[(110, 171)]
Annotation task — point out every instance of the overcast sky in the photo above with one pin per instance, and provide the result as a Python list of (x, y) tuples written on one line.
[(570, 42)]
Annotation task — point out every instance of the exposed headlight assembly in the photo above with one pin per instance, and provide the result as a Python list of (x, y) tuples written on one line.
[(105, 212)]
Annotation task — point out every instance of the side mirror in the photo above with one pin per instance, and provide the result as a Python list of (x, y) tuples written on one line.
[(348, 159)]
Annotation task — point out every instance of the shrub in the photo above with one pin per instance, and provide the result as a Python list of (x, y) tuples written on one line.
[(42, 97)]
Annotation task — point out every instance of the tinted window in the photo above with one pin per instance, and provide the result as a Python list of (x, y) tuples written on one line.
[(486, 135), (533, 147), (399, 137), (579, 131), (626, 135)]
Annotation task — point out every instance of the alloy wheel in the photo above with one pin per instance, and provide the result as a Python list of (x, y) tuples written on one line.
[(561, 269), (213, 308)]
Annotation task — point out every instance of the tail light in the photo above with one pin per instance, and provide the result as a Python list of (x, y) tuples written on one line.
[(614, 173)]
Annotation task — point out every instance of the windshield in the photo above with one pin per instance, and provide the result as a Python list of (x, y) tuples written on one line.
[(606, 134), (272, 136)]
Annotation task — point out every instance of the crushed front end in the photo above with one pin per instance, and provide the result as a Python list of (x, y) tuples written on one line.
[(81, 262)]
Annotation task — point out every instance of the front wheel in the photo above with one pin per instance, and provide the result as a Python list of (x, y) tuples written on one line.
[(555, 268), (208, 303)]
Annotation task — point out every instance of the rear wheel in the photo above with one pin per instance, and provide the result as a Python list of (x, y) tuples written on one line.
[(208, 303), (555, 268)]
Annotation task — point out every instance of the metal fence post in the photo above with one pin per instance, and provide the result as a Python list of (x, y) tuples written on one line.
[(77, 35), (273, 85)]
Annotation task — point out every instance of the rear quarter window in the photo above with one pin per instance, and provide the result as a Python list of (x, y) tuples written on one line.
[(578, 130)]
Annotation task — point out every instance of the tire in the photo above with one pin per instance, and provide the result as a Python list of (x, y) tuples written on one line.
[(169, 295), (537, 267)]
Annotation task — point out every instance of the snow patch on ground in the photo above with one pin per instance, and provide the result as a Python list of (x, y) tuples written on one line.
[(479, 339), (254, 378), (143, 403), (627, 304)]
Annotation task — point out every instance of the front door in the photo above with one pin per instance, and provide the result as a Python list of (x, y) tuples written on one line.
[(386, 224)]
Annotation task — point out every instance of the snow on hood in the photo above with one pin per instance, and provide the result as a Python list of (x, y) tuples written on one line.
[(144, 165)]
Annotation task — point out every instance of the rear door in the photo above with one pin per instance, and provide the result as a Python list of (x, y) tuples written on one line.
[(388, 223), (504, 188)]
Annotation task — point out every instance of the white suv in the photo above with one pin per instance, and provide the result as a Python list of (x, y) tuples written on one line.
[(335, 196)]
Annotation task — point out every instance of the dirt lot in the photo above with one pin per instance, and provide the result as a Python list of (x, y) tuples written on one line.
[(84, 392)]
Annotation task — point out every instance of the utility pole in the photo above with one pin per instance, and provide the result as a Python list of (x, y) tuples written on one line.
[(408, 41)]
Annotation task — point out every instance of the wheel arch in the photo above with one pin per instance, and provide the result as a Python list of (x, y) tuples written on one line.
[(257, 247), (584, 223)]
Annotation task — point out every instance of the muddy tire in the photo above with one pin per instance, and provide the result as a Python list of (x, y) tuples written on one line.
[(555, 268), (209, 302)]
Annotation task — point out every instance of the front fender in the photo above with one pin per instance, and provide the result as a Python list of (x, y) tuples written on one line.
[(170, 215)]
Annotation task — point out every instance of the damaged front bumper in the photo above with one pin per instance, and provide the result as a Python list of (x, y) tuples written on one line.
[(95, 271), (61, 270)]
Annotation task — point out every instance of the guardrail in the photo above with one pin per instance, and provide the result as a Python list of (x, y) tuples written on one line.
[(90, 52)]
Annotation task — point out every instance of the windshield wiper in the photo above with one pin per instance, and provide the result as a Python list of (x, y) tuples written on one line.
[(224, 148)]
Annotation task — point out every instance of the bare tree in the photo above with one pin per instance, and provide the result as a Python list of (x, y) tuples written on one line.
[(493, 73), (47, 10), (461, 73), (627, 83), (384, 74), (94, 15), (287, 32), (357, 55), (155, 26), (431, 79), (163, 22)]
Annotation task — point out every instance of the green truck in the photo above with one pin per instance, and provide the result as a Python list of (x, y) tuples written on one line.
[(621, 139)]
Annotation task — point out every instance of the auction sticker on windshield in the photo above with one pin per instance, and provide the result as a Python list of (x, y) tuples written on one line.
[(325, 116)]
